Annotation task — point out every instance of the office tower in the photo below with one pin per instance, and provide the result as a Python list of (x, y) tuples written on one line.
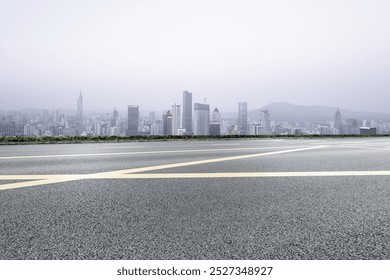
[(337, 122), (216, 116), (115, 117), (7, 128), (187, 112), (133, 118), (215, 124), (265, 122), (152, 117), (242, 117), (175, 118), (167, 123), (79, 112), (201, 119), (352, 126), (115, 114)]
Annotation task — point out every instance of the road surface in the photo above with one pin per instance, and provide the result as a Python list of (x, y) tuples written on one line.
[(229, 199)]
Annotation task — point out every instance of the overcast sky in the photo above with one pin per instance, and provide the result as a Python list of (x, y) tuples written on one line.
[(333, 52)]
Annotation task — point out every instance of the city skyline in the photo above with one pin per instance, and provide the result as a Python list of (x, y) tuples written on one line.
[(333, 53)]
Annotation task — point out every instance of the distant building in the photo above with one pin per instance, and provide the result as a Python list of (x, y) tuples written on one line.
[(216, 116), (255, 129), (367, 130), (352, 126), (215, 128), (152, 117), (79, 111), (115, 113), (133, 119), (167, 123), (215, 124), (7, 128), (337, 122), (114, 119), (265, 122), (201, 119), (187, 112), (175, 118), (243, 117)]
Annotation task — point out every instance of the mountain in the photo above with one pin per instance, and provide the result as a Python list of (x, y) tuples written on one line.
[(283, 111)]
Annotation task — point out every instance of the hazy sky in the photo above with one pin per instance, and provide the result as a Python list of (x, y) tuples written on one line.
[(333, 52)]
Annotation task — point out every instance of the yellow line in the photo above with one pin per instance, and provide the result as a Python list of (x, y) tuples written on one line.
[(139, 153), (50, 179), (191, 163)]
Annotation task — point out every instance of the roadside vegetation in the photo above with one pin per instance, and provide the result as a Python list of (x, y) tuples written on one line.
[(13, 140)]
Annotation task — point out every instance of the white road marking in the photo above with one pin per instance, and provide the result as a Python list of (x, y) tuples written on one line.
[(121, 147), (225, 144), (248, 174), (140, 153), (198, 162), (366, 148)]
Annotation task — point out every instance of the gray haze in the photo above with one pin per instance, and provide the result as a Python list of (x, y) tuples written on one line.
[(333, 53)]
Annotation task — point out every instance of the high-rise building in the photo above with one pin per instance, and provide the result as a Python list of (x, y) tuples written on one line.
[(265, 122), (167, 123), (133, 119), (115, 114), (152, 117), (7, 128), (242, 117), (187, 112), (114, 119), (201, 119), (352, 126), (175, 118), (79, 112), (337, 122), (216, 116), (215, 124)]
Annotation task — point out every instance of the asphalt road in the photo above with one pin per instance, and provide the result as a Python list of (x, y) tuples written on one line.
[(232, 199)]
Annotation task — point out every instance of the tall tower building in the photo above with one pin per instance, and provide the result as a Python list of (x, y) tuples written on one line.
[(242, 117), (152, 117), (337, 122), (215, 124), (265, 123), (167, 123), (187, 111), (79, 111), (201, 119), (133, 119), (175, 119)]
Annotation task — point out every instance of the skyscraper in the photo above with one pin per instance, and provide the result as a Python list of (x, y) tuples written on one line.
[(242, 117), (337, 122), (187, 111), (201, 119), (79, 112), (175, 118), (152, 117), (133, 118), (167, 123), (265, 123), (215, 124)]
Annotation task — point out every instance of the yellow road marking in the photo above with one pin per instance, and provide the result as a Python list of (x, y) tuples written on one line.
[(51, 179), (198, 162)]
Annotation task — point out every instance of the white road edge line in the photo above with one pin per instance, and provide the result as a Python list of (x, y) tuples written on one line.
[(140, 153)]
